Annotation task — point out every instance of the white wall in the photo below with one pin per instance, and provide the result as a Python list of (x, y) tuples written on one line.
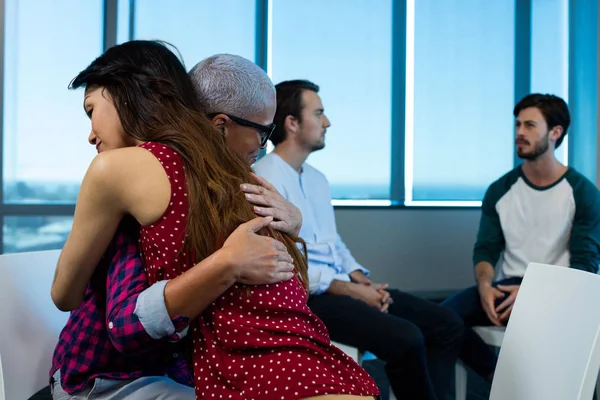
[(414, 249)]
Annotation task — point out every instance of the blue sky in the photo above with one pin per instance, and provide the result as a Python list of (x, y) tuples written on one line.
[(47, 43), (463, 79)]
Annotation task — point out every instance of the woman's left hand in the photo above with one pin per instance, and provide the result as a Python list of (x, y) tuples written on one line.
[(268, 201)]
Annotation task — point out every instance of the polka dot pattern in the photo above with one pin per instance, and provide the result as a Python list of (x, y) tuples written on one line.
[(253, 342), (161, 243)]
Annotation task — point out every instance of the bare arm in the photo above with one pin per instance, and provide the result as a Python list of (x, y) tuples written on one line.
[(190, 293), (115, 184), (484, 273), (97, 215), (245, 257), (340, 288)]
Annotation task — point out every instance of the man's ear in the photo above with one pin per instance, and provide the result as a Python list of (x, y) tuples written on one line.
[(292, 124), (556, 132), (219, 121)]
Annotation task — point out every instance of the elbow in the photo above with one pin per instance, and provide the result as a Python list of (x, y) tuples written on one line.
[(63, 296), (63, 301)]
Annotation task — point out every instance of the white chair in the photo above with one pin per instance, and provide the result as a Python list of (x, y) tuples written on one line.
[(357, 356), (29, 322), (550, 349), (492, 336)]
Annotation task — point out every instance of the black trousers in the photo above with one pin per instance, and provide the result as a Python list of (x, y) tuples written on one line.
[(466, 303), (419, 340)]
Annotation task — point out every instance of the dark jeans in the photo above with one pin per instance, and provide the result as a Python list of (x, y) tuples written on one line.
[(418, 340), (475, 353)]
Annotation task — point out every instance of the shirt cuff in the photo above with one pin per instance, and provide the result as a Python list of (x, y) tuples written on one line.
[(340, 277), (359, 268), (152, 312), (327, 276)]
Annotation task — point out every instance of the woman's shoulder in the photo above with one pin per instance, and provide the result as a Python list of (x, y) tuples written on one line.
[(124, 164), (123, 157), (129, 175)]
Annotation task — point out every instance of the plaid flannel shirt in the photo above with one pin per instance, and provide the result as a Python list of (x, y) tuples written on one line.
[(105, 337)]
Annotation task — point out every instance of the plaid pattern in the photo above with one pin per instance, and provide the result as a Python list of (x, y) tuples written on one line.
[(104, 338)]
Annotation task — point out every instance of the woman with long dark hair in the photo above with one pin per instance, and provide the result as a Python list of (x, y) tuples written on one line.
[(171, 170)]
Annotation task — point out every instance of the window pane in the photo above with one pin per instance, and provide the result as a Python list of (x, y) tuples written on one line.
[(345, 48), (123, 19), (463, 136), (35, 233), (199, 28), (45, 129), (550, 39)]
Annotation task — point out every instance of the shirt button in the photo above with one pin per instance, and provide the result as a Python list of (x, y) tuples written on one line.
[(110, 325), (175, 355)]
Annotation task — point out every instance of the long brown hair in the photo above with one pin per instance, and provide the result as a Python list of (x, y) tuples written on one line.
[(156, 102)]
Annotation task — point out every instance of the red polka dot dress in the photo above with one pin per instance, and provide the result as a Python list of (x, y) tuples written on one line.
[(254, 342)]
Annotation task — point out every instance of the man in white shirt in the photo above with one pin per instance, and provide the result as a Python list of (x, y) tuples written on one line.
[(418, 340)]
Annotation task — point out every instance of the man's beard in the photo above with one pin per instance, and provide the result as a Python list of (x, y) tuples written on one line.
[(540, 148), (318, 146), (315, 146)]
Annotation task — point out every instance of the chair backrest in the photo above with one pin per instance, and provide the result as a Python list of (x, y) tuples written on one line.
[(29, 322), (550, 349)]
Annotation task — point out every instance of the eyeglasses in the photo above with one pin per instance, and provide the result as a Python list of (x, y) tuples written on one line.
[(264, 131)]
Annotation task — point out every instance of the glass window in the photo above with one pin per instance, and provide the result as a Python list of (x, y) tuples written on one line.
[(33, 233), (45, 149), (550, 41), (123, 20), (346, 50), (460, 97), (199, 28)]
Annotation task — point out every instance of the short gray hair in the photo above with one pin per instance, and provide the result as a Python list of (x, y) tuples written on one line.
[(231, 84)]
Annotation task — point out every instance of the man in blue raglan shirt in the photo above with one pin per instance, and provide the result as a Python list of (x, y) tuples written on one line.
[(542, 211)]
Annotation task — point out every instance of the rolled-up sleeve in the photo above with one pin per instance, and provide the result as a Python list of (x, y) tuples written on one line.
[(320, 277), (136, 315), (345, 259), (152, 312)]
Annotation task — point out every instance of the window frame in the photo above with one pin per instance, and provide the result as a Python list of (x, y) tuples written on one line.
[(33, 210), (582, 16)]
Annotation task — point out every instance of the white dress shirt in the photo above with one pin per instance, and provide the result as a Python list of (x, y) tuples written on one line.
[(328, 256)]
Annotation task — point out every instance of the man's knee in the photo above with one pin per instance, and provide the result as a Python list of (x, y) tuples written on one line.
[(452, 325), (464, 303), (406, 349), (407, 341), (451, 320), (415, 339)]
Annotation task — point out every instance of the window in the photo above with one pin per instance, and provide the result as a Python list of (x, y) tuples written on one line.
[(455, 107), (459, 97), (346, 50), (45, 149), (123, 20), (550, 53), (44, 144), (33, 233), (198, 28)]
